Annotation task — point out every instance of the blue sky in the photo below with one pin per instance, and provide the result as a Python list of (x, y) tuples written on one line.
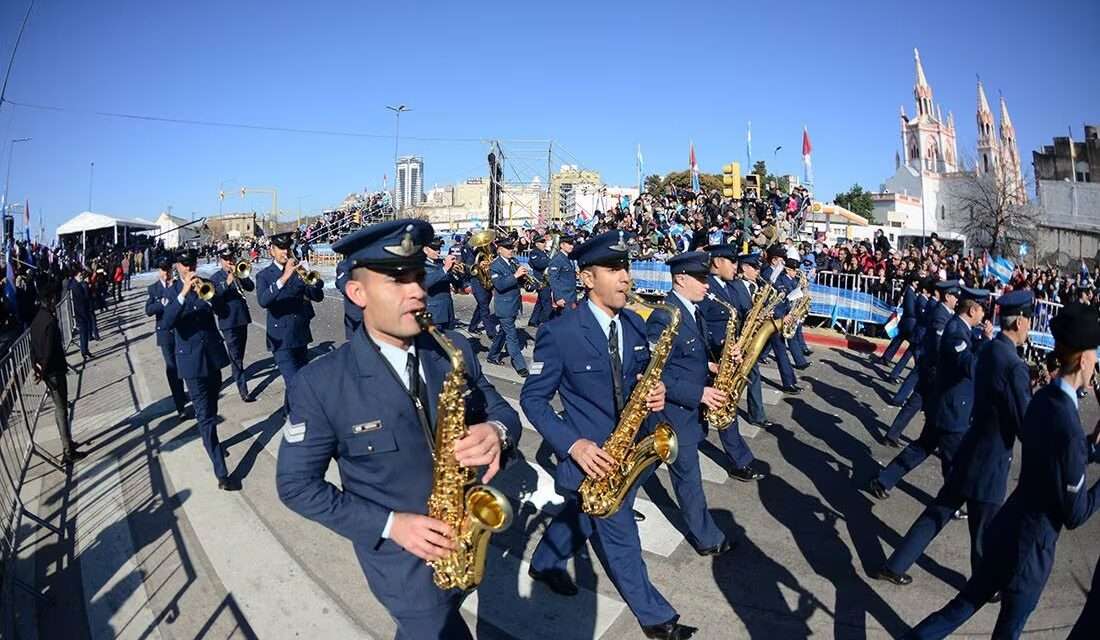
[(596, 77)]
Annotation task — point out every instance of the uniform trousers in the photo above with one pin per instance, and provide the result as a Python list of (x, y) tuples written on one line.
[(756, 396), (735, 446), (912, 405), (933, 519), (179, 398), (687, 483), (289, 362), (905, 391), (900, 365), (483, 316), (616, 542), (236, 339), (507, 336), (931, 439), (541, 311), (204, 397)]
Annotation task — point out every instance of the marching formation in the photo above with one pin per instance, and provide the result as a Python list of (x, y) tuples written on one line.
[(617, 385)]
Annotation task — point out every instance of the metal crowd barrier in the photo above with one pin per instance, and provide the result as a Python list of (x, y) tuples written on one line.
[(21, 402)]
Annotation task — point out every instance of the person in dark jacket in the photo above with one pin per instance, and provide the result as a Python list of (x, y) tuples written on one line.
[(82, 310), (48, 357), (1051, 493)]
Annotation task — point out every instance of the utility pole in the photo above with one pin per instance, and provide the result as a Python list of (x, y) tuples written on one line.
[(7, 178), (91, 181), (397, 111)]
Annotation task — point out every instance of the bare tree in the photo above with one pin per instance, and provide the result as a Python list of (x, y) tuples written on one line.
[(993, 210)]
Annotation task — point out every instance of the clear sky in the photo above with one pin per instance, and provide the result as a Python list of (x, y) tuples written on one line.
[(596, 77)]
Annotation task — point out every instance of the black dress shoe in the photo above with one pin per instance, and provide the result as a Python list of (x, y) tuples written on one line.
[(791, 388), (497, 361), (670, 630), (746, 474), (247, 397), (716, 550), (228, 484), (807, 352), (890, 442), (995, 598), (638, 516), (522, 373), (557, 579), (900, 579), (960, 514), (801, 367), (185, 414), (877, 490), (763, 424)]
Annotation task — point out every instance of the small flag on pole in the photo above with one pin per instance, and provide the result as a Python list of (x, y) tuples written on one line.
[(892, 325), (694, 170), (807, 149), (748, 146)]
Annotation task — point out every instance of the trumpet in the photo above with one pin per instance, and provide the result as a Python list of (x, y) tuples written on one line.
[(311, 278), (204, 289), (243, 269)]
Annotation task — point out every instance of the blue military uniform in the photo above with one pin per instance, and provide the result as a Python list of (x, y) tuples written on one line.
[(563, 278), (776, 344), (354, 406), (796, 344), (574, 361), (289, 311), (353, 315), (925, 397), (483, 315), (154, 306), (907, 323), (83, 314), (979, 476), (1051, 495), (539, 261), (507, 304), (438, 283), (231, 308), (924, 306), (741, 293), (200, 356)]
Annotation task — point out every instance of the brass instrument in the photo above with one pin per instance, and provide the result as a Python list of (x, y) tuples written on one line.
[(311, 278), (528, 282), (473, 511), (756, 329), (480, 240), (204, 289), (800, 310), (603, 497), (727, 367), (243, 269)]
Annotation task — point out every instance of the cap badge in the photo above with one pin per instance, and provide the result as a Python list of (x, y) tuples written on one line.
[(407, 246)]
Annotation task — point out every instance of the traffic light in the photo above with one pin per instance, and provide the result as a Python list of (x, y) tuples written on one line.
[(752, 186), (731, 180)]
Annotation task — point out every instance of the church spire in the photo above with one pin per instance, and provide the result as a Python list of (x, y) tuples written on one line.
[(988, 155), (922, 91), (1010, 155)]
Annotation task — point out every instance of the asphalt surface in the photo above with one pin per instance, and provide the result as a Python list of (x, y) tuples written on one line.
[(153, 549)]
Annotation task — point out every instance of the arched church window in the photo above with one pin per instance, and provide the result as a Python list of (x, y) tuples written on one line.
[(985, 163), (914, 150)]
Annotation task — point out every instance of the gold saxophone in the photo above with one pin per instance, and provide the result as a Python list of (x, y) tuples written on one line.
[(756, 329), (801, 307), (603, 497), (473, 511)]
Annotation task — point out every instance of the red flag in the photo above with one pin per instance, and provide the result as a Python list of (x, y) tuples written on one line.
[(806, 146)]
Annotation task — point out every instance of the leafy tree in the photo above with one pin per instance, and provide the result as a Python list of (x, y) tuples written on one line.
[(760, 168), (858, 202), (994, 212)]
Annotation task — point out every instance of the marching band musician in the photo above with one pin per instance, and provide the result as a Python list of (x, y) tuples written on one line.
[(723, 270), (979, 476), (200, 356), (483, 315), (563, 277), (909, 396), (438, 280), (159, 293), (906, 328), (539, 261), (591, 358), (924, 397), (233, 317), (506, 278), (774, 273), (370, 405), (1051, 493), (796, 344), (925, 300), (742, 292), (287, 298)]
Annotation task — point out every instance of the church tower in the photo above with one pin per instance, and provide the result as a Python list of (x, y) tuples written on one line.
[(1010, 155), (922, 91), (988, 161), (928, 141)]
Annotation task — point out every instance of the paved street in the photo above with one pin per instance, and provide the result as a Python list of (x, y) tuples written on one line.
[(154, 549)]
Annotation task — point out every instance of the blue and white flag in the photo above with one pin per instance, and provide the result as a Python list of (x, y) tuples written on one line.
[(1001, 268)]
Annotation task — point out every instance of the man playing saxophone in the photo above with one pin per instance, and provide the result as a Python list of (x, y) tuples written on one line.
[(743, 291), (592, 358), (372, 406), (718, 313)]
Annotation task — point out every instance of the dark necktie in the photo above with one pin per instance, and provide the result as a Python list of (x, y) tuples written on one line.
[(702, 326), (419, 391), (751, 286), (616, 365)]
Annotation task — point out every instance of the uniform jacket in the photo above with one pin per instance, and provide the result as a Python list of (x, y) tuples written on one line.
[(155, 307), (349, 406), (1051, 493), (1001, 395), (437, 283), (955, 368), (686, 373), (782, 284), (909, 313), (289, 309), (572, 360), (928, 357), (82, 301), (200, 351), (506, 293), (563, 278), (230, 306), (539, 260), (716, 315)]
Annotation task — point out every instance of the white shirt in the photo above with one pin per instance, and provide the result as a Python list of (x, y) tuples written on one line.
[(689, 305), (605, 321), (399, 359), (1069, 391)]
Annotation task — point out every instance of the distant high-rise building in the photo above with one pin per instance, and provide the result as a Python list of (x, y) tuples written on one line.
[(409, 184)]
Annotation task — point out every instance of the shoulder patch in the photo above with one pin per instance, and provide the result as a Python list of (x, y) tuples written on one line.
[(959, 348), (294, 432), (535, 368), (1074, 488)]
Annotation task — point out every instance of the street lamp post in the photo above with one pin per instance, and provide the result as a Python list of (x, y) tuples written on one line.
[(91, 181), (397, 111), (7, 177)]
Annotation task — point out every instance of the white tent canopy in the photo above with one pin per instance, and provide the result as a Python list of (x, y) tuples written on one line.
[(88, 221)]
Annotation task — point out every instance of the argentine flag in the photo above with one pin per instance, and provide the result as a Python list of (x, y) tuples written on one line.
[(1001, 268)]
